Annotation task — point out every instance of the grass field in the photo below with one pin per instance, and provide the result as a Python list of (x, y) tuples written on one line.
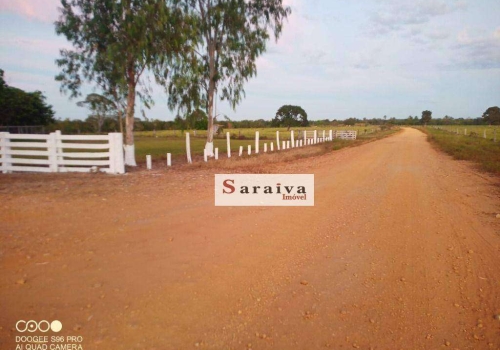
[(174, 141), (475, 148), (270, 133), (474, 130)]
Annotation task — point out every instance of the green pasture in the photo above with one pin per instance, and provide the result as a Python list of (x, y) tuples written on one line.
[(159, 143), (250, 133), (484, 152), (471, 130)]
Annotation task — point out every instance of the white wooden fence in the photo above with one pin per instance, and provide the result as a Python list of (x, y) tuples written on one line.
[(55, 152), (336, 134), (346, 135)]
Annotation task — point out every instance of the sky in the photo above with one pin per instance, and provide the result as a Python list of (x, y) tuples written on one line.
[(337, 59)]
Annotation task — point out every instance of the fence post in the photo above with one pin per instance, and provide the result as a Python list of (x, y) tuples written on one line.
[(278, 140), (5, 156), (292, 138), (112, 153), (169, 159), (256, 142), (315, 136), (59, 151), (216, 153), (249, 149), (272, 147), (265, 148), (188, 149), (465, 131), (228, 145), (52, 149), (148, 162), (305, 137), (283, 145), (331, 135), (484, 133), (119, 156), (241, 151), (323, 136)]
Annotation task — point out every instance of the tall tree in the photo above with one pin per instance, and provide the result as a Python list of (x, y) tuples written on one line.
[(115, 42), (232, 35), (18, 107), (426, 117), (492, 115), (288, 116)]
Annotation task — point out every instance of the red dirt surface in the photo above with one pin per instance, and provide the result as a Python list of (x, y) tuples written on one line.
[(400, 251)]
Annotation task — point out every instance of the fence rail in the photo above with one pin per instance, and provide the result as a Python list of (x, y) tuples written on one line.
[(55, 153), (335, 134)]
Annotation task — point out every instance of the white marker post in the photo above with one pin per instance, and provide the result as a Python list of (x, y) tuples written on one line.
[(188, 149), (228, 145), (278, 140), (315, 136), (331, 135), (292, 138), (148, 162), (256, 142), (288, 145), (265, 148), (249, 149), (305, 137), (283, 146), (241, 151), (272, 147), (323, 135), (205, 155), (484, 133), (169, 159), (216, 153)]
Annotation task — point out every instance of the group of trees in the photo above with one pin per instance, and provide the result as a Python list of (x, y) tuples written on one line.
[(196, 49), (18, 107)]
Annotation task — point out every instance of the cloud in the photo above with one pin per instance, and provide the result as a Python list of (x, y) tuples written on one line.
[(477, 52), (396, 15), (40, 10), (40, 46)]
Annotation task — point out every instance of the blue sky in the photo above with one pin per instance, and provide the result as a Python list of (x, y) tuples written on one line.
[(336, 58)]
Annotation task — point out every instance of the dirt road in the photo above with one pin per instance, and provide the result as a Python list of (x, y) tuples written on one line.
[(401, 251)]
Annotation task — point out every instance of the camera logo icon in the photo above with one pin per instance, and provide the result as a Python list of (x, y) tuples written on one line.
[(42, 326)]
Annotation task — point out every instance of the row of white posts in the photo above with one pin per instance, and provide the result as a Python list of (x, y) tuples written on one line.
[(465, 132), (285, 144)]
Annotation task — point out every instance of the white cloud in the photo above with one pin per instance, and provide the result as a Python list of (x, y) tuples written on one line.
[(477, 52), (396, 15), (41, 10)]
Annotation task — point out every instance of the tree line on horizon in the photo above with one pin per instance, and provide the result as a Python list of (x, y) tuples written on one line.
[(20, 108)]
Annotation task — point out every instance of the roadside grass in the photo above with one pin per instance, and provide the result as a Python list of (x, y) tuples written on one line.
[(255, 163), (174, 141), (474, 130), (249, 133), (484, 152)]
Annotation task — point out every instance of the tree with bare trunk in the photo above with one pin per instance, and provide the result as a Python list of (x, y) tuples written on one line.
[(115, 42), (232, 34)]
